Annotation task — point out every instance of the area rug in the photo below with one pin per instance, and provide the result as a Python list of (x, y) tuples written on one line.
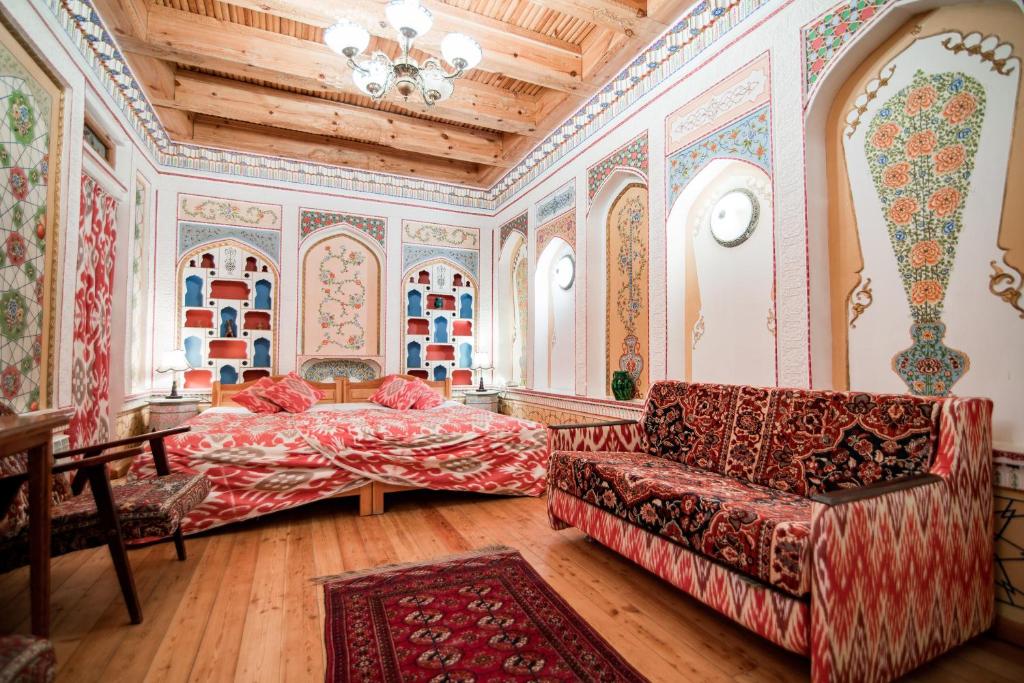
[(481, 616)]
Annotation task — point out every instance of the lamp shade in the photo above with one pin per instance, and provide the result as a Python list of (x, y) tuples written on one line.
[(481, 359), (173, 361), (437, 87), (409, 17), (461, 51), (372, 76), (347, 38)]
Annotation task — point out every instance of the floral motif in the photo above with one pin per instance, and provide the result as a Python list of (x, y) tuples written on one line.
[(440, 235), (518, 224), (17, 249), (558, 202), (21, 118), (18, 181), (627, 285), (227, 212), (926, 253), (343, 297), (922, 178)]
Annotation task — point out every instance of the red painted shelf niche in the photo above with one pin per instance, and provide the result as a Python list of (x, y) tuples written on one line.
[(229, 289), (229, 348), (199, 317)]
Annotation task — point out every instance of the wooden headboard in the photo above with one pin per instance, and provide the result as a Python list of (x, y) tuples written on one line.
[(222, 393), (341, 390), (360, 392)]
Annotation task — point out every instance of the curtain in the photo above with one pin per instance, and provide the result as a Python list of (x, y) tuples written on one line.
[(94, 282)]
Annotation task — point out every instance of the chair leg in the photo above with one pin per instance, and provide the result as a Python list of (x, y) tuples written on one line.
[(179, 543), (100, 485)]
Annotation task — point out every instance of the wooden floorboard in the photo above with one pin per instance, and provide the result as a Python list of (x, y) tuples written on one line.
[(243, 607)]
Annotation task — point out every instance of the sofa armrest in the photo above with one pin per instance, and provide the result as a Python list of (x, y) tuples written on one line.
[(904, 573), (619, 435), (879, 488)]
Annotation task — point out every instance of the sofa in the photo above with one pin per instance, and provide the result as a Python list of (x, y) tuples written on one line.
[(852, 528)]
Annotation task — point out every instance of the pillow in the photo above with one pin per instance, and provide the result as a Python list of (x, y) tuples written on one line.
[(425, 396), (252, 398), (293, 394), (396, 392)]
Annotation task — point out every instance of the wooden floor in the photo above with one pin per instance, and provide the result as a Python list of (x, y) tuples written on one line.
[(243, 608)]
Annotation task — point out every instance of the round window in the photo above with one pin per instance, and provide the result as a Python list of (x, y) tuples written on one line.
[(565, 272), (734, 217)]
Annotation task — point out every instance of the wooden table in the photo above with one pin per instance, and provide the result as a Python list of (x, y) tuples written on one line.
[(33, 433)]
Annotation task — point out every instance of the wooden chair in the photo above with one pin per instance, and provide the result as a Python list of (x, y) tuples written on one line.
[(136, 510)]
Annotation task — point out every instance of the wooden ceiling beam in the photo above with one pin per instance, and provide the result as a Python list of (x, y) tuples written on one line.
[(508, 49), (210, 43), (232, 136), (622, 16), (256, 104)]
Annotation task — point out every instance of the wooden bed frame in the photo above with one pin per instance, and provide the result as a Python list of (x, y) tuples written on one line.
[(343, 390)]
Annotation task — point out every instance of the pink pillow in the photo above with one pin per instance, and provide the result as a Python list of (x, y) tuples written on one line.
[(396, 392), (426, 397), (252, 398), (293, 394)]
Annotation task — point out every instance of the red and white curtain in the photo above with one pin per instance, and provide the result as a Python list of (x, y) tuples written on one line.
[(94, 283)]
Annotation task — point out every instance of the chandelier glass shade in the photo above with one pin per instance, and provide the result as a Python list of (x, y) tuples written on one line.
[(377, 74)]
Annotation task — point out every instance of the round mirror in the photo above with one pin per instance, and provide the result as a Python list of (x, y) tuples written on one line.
[(565, 271), (734, 217)]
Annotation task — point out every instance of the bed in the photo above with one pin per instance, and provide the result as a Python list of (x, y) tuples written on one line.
[(347, 446)]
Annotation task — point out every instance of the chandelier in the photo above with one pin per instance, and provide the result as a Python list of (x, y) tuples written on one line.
[(377, 74)]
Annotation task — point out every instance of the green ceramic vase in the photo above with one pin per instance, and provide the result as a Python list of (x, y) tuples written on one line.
[(623, 386)]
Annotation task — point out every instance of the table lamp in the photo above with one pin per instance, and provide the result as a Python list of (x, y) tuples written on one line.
[(174, 362), (482, 362)]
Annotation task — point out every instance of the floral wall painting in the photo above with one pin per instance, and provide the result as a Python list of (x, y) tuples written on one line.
[(512, 301), (30, 137), (920, 148), (633, 156), (627, 297), (199, 209), (920, 179), (341, 297)]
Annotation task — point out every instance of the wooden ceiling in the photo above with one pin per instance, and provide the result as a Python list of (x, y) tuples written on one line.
[(255, 76)]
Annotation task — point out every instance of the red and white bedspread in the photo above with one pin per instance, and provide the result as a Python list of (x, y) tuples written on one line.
[(264, 463)]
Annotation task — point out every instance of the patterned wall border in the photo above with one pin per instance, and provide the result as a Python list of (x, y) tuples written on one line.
[(631, 155), (520, 224), (701, 27), (829, 34), (311, 220), (556, 203), (439, 235)]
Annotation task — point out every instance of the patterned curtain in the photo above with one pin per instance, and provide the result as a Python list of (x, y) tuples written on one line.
[(90, 373)]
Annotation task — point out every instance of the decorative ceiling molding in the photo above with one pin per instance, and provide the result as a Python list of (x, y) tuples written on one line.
[(699, 28)]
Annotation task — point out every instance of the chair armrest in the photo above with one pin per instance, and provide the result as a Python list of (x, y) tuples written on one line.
[(914, 561), (94, 460), (618, 435), (879, 488), (139, 438)]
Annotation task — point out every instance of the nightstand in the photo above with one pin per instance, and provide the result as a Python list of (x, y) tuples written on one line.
[(484, 400), (165, 413)]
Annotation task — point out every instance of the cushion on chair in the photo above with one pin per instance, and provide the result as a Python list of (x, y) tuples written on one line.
[(793, 440), (759, 531), (26, 659), (148, 508)]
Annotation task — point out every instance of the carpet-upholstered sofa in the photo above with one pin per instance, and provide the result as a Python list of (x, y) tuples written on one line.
[(852, 528)]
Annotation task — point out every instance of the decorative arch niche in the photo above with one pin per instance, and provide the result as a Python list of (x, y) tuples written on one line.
[(617, 296), (439, 299), (554, 343), (341, 303), (227, 303), (923, 268), (721, 305), (512, 307)]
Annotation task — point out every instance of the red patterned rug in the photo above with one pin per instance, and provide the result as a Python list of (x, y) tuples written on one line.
[(481, 616)]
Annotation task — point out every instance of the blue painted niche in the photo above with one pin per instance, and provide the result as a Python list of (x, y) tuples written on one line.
[(261, 353), (465, 355), (226, 314), (228, 375), (415, 307), (440, 372), (441, 329), (194, 351), (466, 306), (412, 359), (263, 300), (194, 291)]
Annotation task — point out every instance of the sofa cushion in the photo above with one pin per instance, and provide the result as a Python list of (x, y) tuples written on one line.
[(759, 531), (793, 440)]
